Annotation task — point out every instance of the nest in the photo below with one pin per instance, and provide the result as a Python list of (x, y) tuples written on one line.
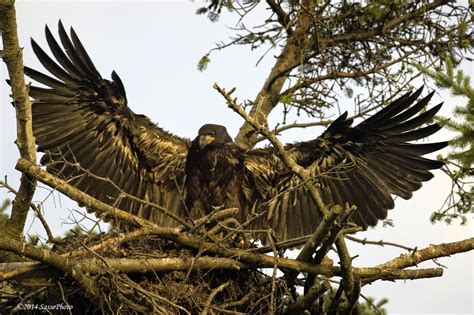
[(192, 291)]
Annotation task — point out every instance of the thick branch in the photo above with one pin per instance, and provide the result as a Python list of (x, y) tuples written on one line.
[(13, 57), (98, 206), (315, 240), (431, 252), (269, 95), (129, 265), (46, 256), (390, 270), (173, 234), (289, 162)]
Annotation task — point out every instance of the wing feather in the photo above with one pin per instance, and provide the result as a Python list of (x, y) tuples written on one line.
[(365, 165), (92, 139)]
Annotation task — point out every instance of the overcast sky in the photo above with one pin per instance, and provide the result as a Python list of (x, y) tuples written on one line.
[(155, 47)]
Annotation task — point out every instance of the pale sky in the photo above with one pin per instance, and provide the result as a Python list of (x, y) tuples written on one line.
[(154, 46)]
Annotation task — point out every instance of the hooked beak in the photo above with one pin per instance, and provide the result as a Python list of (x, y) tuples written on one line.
[(205, 140)]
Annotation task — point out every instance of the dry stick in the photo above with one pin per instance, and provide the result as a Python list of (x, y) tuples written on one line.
[(379, 243), (64, 297), (304, 302), (51, 238), (173, 234), (148, 265), (124, 194), (294, 242), (215, 216), (275, 267), (212, 296), (336, 236), (13, 57), (315, 240), (112, 242), (328, 217), (99, 206), (289, 162), (237, 303), (335, 231), (431, 252), (390, 270), (88, 284), (347, 273), (374, 307), (31, 266)]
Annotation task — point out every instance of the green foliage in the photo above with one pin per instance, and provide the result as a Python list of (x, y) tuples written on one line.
[(286, 98), (201, 11), (214, 9), (459, 162), (203, 62)]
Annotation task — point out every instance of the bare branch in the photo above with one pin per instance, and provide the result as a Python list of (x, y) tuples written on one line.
[(431, 252), (13, 57), (100, 207), (60, 263)]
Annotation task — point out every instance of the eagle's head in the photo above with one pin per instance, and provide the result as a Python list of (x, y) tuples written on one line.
[(211, 134)]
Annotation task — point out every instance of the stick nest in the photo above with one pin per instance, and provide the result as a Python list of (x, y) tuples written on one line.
[(172, 292)]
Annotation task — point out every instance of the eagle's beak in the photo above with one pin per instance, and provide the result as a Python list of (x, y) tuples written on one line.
[(205, 140)]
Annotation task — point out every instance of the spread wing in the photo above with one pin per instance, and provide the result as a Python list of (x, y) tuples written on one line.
[(364, 166), (92, 139)]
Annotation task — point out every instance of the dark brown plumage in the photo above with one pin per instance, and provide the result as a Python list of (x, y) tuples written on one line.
[(93, 139)]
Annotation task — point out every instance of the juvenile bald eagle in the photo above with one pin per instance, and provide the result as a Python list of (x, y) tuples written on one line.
[(95, 141)]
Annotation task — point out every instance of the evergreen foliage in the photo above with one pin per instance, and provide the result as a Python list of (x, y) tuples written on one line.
[(459, 162)]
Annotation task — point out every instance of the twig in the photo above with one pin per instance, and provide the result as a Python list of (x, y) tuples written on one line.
[(304, 302), (38, 213), (30, 266), (63, 297), (109, 243), (286, 159), (379, 243), (294, 242), (99, 206), (216, 215), (374, 307), (274, 273), (27, 298), (212, 296), (237, 303), (315, 240)]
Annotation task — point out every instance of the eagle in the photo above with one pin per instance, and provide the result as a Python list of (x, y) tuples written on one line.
[(93, 139)]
